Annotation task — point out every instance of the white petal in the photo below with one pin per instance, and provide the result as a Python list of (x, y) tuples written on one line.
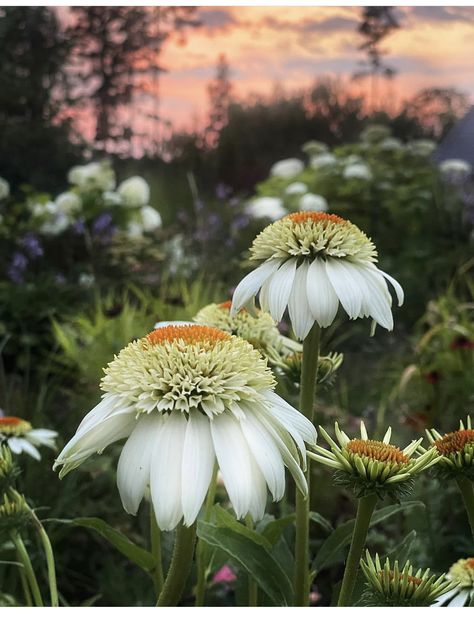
[(291, 418), (95, 439), (345, 285), (459, 599), (133, 470), (15, 444), (396, 285), (108, 403), (377, 300), (233, 456), (300, 314), (166, 469), (30, 449), (445, 597), (322, 298), (258, 497), (250, 284), (280, 288), (198, 463), (266, 454)]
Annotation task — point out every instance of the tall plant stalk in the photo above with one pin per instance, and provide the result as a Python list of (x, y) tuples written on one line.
[(180, 566)]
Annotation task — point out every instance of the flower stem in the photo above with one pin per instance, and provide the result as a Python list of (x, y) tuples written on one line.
[(253, 587), (309, 370), (365, 510), (24, 585), (29, 572), (180, 566), (467, 492), (155, 542), (201, 545)]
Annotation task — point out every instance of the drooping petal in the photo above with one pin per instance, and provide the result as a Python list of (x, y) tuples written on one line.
[(19, 444), (166, 471), (322, 298), (133, 470), (266, 454), (377, 298), (258, 496), (345, 285), (301, 316), (198, 463), (250, 284), (106, 406), (396, 285), (280, 288), (233, 456), (459, 600), (42, 437), (291, 418)]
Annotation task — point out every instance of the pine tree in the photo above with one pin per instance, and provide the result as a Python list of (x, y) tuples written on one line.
[(220, 96)]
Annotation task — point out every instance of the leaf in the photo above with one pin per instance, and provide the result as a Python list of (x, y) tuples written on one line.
[(253, 557), (341, 537), (139, 556), (321, 520), (273, 530), (223, 518), (402, 550)]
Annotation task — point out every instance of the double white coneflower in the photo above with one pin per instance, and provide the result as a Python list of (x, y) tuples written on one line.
[(184, 396), (312, 261)]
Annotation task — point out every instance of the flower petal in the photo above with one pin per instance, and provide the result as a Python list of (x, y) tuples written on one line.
[(322, 298), (396, 285), (291, 418), (377, 299), (250, 284), (345, 285), (133, 470), (301, 316), (166, 471), (280, 288), (198, 463)]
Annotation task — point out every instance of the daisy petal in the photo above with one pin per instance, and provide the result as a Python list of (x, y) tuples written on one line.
[(298, 307), (322, 298), (280, 288), (345, 285), (250, 284)]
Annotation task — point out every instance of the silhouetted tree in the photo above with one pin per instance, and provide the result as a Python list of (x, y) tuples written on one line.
[(220, 95), (437, 109)]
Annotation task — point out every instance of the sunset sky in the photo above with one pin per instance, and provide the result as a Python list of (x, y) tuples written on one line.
[(291, 46)]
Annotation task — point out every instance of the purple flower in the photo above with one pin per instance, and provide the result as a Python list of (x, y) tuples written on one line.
[(32, 245), (223, 191), (224, 575), (199, 204), (240, 222), (17, 267), (102, 223), (79, 227)]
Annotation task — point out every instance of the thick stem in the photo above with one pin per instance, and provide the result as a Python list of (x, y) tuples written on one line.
[(155, 545), (309, 370), (252, 584), (29, 572), (467, 492), (201, 545), (180, 566), (24, 585), (365, 510)]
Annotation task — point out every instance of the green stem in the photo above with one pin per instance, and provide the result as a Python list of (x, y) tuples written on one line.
[(24, 585), (252, 584), (155, 542), (309, 371), (180, 566), (467, 492), (365, 510), (201, 545), (30, 575)]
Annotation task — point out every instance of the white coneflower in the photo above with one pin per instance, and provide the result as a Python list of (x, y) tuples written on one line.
[(462, 573), (266, 207), (287, 168), (296, 188), (311, 262), (312, 202), (134, 192), (184, 396), (19, 436)]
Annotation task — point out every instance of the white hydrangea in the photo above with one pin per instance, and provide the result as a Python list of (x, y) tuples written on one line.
[(134, 192), (69, 202), (391, 143), (134, 230), (40, 209), (296, 188), (93, 176), (111, 198), (316, 203), (151, 219), (287, 168), (55, 225), (4, 188), (457, 168), (358, 170), (422, 147), (266, 207), (322, 160), (86, 279)]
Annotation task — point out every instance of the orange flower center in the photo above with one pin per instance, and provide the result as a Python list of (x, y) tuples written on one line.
[(454, 442), (316, 217), (377, 451), (189, 334), (11, 425), (225, 305), (469, 564), (411, 579)]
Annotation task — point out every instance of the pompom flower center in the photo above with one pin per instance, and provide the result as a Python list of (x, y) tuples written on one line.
[(454, 442), (316, 217), (11, 425), (463, 572), (191, 335), (377, 450)]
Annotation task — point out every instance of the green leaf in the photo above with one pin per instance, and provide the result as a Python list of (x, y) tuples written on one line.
[(273, 530), (223, 518), (402, 550), (253, 557), (321, 520), (341, 537), (118, 540)]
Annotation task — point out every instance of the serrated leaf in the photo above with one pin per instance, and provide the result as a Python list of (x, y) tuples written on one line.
[(341, 537), (253, 557), (139, 556)]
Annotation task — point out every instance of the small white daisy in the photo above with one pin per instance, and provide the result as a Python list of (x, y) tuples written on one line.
[(311, 262), (184, 397), (19, 436)]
